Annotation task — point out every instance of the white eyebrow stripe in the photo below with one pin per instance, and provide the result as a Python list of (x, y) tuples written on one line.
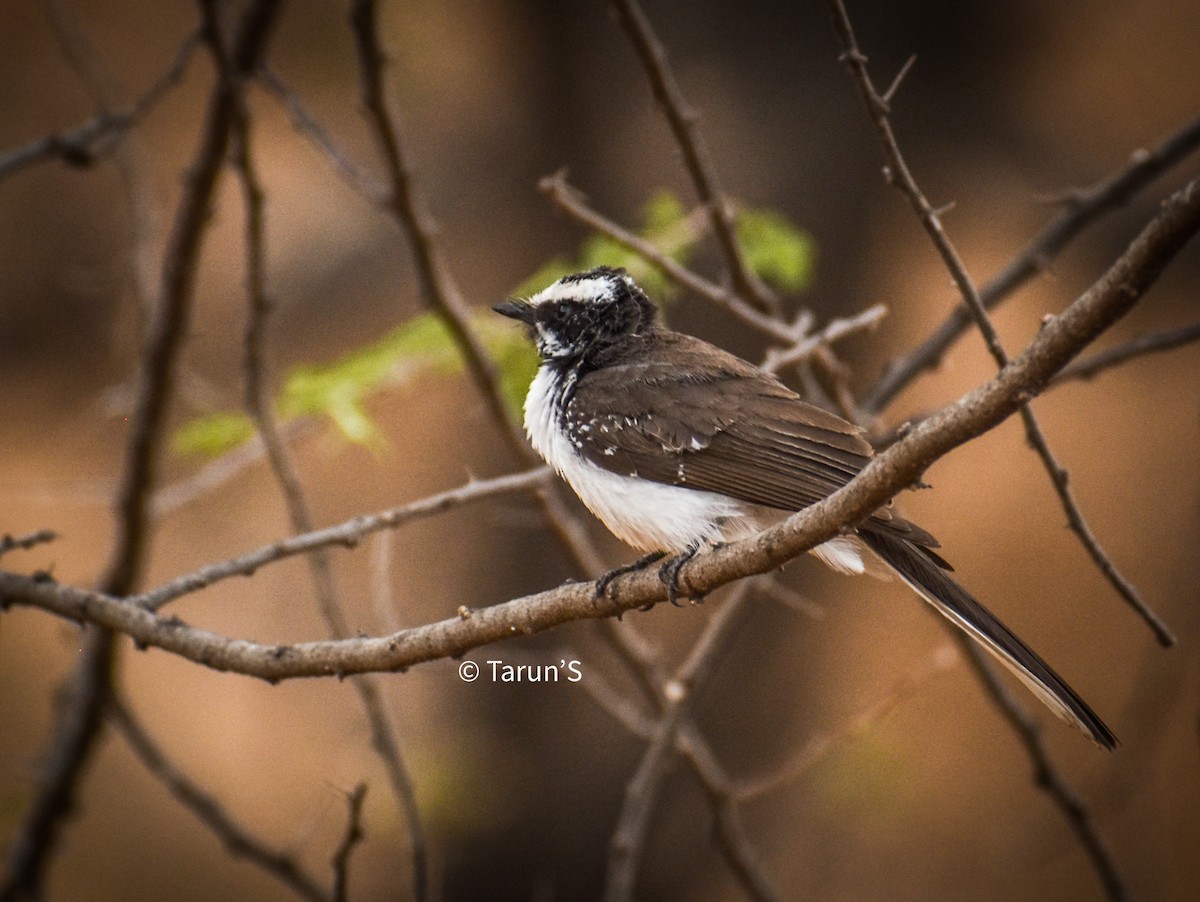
[(586, 290)]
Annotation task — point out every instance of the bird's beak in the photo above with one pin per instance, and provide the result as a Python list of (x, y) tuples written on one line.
[(516, 310)]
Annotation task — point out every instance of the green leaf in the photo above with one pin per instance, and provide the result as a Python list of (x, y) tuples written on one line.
[(776, 250), (213, 434)]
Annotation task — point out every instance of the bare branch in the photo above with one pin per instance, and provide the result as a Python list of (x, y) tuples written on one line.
[(691, 745), (76, 733), (682, 120), (208, 809), (346, 534), (570, 202), (93, 140), (819, 746), (1046, 774), (1153, 343), (78, 726), (25, 542), (354, 835), (834, 330), (258, 401), (1085, 207), (305, 123), (409, 210), (902, 178), (1061, 338), (628, 842)]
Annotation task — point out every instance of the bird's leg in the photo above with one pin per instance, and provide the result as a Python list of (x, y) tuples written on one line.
[(669, 572), (639, 564)]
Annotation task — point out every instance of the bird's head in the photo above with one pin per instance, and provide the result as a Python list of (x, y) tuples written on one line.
[(582, 313)]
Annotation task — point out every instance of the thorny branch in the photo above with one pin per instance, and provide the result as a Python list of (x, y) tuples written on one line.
[(1081, 210), (1060, 340), (901, 177)]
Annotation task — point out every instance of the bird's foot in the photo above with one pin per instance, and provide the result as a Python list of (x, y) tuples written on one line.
[(640, 564), (669, 574)]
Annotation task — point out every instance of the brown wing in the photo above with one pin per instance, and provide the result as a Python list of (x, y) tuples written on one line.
[(711, 421)]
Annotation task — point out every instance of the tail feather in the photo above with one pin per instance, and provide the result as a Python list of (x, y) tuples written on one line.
[(924, 575)]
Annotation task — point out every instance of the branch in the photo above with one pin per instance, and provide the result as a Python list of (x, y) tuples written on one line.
[(79, 724), (628, 842), (1152, 343), (682, 120), (409, 210), (1085, 207), (305, 123), (88, 143), (32, 540), (240, 842), (354, 835), (258, 402), (900, 176), (690, 744), (1061, 338), (346, 534), (570, 202), (1046, 775), (819, 746)]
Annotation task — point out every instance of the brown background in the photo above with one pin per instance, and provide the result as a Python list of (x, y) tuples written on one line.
[(520, 786)]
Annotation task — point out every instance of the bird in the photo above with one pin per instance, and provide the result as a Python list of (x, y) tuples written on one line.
[(678, 446)]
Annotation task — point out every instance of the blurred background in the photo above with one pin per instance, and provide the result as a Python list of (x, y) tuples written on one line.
[(1007, 106)]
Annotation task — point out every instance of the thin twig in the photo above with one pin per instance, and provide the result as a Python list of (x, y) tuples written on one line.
[(88, 143), (83, 56), (819, 746), (258, 402), (1151, 343), (628, 842), (1046, 774), (352, 837), (835, 330), (682, 119), (25, 542), (569, 200), (347, 534), (648, 673), (407, 207), (1084, 208), (239, 841), (308, 126)]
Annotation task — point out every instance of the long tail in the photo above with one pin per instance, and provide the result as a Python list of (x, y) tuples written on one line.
[(922, 572)]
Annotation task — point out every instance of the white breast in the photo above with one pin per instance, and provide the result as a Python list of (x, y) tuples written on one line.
[(648, 515)]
